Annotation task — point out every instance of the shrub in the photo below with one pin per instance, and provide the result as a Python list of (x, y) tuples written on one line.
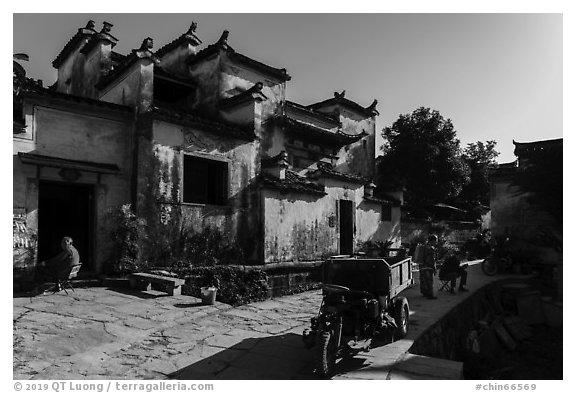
[(206, 248), (127, 233), (235, 286), (379, 246)]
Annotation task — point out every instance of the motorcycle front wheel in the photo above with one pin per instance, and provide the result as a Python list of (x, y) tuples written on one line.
[(490, 266), (326, 355), (401, 316)]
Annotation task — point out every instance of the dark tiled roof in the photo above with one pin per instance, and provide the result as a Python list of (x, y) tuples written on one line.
[(81, 34), (204, 124), (188, 37), (58, 162), (526, 148), (382, 200), (253, 93), (340, 100), (222, 44), (292, 183), (280, 73), (312, 132), (280, 158), (324, 170), (43, 92), (117, 57), (135, 55), (320, 115)]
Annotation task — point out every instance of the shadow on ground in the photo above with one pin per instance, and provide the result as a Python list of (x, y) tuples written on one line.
[(268, 358)]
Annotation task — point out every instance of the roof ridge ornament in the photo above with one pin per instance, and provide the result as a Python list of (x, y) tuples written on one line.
[(106, 27), (223, 40), (372, 107), (145, 50), (257, 88), (192, 28), (339, 95), (90, 25), (147, 44)]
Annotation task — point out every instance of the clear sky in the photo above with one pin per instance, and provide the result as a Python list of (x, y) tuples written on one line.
[(496, 76)]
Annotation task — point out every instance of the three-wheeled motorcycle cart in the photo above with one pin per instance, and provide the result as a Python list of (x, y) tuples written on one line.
[(360, 302)]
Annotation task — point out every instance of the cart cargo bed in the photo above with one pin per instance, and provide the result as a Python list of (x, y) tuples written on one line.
[(383, 276)]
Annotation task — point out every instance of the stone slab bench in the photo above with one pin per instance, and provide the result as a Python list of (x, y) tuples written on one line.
[(143, 282)]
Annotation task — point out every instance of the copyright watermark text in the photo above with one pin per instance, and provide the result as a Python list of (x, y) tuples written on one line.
[(506, 386), (110, 386)]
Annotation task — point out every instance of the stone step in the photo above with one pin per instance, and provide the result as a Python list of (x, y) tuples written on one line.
[(423, 367)]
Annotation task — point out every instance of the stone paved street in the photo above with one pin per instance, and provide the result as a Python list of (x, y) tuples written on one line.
[(98, 333), (116, 334)]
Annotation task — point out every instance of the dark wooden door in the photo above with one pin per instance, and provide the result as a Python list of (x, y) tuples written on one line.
[(346, 227), (65, 210)]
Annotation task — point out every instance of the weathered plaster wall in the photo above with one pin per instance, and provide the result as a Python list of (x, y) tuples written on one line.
[(300, 227), (273, 140), (76, 136), (234, 79), (370, 226), (367, 216), (70, 72), (297, 227), (81, 137), (359, 157), (124, 91), (206, 75), (238, 219), (244, 115), (176, 61)]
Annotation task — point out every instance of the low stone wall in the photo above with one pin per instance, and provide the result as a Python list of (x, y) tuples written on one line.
[(491, 323), (453, 232), (288, 280)]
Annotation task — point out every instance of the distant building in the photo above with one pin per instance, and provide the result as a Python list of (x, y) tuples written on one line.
[(534, 232), (192, 138)]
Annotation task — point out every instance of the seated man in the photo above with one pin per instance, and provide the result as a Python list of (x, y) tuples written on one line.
[(451, 270), (58, 267)]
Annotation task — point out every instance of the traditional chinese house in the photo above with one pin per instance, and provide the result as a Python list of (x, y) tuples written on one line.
[(192, 138)]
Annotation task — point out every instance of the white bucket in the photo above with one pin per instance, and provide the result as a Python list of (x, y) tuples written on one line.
[(208, 295)]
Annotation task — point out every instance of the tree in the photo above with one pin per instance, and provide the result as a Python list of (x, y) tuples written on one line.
[(479, 157), (422, 153)]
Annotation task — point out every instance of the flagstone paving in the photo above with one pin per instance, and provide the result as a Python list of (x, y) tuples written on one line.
[(105, 333)]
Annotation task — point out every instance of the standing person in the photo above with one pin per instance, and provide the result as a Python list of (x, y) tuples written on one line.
[(425, 256), (55, 268)]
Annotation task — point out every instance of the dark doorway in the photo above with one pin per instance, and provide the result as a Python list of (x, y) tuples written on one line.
[(346, 227), (65, 210)]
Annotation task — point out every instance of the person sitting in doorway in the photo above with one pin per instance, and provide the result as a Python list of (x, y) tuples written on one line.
[(58, 266), (451, 270)]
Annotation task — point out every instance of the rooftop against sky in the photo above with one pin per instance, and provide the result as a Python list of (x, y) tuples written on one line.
[(496, 76)]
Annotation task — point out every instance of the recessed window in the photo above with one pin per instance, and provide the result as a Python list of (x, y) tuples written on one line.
[(386, 213), (205, 181)]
